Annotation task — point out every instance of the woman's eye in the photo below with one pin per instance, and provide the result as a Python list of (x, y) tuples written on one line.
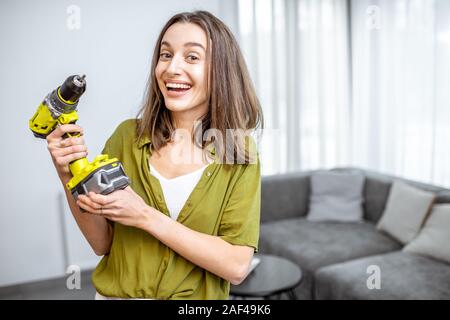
[(192, 58), (164, 55)]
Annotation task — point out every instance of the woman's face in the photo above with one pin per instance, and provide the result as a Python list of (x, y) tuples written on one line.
[(181, 71)]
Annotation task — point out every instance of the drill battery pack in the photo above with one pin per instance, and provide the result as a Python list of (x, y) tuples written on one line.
[(102, 176)]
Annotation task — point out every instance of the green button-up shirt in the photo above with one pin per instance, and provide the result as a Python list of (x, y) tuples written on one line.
[(224, 203)]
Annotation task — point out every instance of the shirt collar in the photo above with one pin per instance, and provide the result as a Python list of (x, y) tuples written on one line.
[(146, 140), (143, 141)]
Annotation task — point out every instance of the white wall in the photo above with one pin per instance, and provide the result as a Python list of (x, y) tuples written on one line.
[(113, 48)]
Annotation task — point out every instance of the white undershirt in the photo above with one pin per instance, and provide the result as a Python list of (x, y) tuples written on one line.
[(176, 191)]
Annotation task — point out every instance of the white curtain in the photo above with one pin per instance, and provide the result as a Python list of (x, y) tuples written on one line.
[(298, 56), (361, 83), (400, 77)]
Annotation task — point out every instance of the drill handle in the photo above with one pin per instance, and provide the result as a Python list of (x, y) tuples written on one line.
[(69, 118), (71, 134)]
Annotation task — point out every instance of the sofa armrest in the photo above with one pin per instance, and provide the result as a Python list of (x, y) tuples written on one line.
[(285, 196)]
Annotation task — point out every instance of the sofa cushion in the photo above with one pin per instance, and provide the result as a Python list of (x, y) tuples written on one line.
[(376, 191), (434, 238), (403, 276), (377, 187), (405, 211), (336, 197), (316, 244)]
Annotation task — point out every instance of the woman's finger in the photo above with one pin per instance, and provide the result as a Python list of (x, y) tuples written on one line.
[(87, 201), (62, 130), (71, 141), (104, 212), (65, 160), (103, 200), (88, 208), (61, 152)]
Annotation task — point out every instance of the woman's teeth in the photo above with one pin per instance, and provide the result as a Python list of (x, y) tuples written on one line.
[(178, 86)]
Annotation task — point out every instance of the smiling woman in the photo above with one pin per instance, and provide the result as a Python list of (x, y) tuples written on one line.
[(199, 52), (187, 90), (189, 223)]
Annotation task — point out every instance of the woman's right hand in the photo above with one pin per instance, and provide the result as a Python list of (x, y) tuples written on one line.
[(64, 151)]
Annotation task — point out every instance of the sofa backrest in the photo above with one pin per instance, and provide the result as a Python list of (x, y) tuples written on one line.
[(377, 187), (285, 196)]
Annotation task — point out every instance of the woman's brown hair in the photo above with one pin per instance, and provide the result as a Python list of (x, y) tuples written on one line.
[(233, 103)]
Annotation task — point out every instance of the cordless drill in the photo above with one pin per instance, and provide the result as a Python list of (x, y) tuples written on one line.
[(103, 175)]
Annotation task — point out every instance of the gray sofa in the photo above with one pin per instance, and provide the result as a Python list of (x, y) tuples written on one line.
[(334, 256)]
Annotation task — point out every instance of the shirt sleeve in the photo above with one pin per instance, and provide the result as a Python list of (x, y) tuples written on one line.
[(241, 217)]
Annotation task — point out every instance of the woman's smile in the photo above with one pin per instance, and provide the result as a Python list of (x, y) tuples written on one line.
[(176, 88)]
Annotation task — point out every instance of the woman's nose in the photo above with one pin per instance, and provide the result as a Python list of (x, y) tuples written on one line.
[(175, 66)]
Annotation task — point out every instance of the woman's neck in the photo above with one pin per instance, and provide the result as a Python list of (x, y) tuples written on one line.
[(184, 124), (185, 120)]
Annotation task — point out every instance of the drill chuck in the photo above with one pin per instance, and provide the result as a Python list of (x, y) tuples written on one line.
[(73, 88)]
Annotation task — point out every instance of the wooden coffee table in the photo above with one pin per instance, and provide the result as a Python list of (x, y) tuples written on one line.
[(273, 277)]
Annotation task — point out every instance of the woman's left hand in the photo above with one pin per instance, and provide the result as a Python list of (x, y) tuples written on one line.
[(123, 206)]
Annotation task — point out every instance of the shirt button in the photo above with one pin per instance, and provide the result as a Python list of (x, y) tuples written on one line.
[(208, 174)]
